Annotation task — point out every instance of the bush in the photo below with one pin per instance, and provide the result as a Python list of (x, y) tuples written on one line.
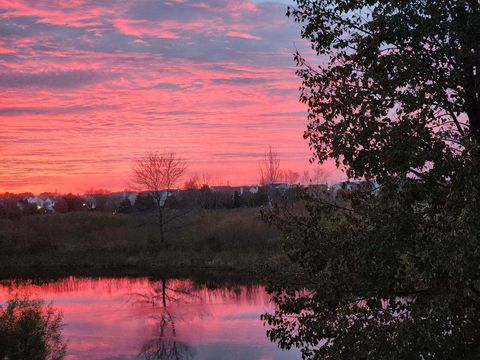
[(30, 330)]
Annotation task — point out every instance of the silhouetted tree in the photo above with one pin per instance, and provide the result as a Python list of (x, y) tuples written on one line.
[(269, 167), (125, 207), (159, 173), (291, 177), (61, 205), (395, 101), (236, 199), (74, 202)]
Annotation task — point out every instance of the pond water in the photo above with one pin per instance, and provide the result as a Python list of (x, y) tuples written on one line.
[(143, 318)]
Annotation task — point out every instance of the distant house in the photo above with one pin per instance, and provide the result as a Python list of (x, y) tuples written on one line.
[(49, 204), (44, 203), (38, 202)]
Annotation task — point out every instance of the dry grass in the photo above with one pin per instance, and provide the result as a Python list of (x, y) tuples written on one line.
[(214, 238)]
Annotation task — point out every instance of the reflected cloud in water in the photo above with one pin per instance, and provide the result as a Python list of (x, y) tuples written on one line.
[(142, 318)]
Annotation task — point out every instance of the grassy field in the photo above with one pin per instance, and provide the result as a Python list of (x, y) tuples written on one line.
[(218, 239)]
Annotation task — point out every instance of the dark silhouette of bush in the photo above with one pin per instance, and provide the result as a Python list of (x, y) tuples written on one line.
[(30, 330), (125, 207), (74, 202)]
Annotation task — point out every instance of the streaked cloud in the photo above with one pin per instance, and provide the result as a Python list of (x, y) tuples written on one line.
[(63, 79), (89, 86), (38, 110), (240, 81)]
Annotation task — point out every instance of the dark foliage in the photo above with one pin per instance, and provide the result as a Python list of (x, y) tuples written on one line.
[(30, 330), (144, 202), (125, 207), (393, 272)]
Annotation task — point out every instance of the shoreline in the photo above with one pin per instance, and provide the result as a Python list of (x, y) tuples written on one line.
[(199, 274)]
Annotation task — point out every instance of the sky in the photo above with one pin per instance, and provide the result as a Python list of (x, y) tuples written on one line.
[(90, 86)]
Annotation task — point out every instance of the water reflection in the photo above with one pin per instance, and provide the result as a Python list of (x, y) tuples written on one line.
[(141, 318), (165, 349), (165, 346)]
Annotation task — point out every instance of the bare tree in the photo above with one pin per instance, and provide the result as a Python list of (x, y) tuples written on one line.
[(193, 183), (269, 167), (158, 173), (291, 177), (320, 175), (306, 179)]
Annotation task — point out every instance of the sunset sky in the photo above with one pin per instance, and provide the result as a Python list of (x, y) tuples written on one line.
[(89, 86)]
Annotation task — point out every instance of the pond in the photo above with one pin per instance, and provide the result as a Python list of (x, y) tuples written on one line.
[(146, 318)]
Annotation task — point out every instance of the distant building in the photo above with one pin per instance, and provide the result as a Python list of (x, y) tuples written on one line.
[(41, 203), (35, 201), (49, 204), (131, 196)]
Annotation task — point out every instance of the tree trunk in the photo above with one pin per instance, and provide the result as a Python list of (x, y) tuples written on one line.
[(160, 224), (160, 220), (469, 55)]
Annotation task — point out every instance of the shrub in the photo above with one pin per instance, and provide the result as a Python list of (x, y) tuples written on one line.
[(30, 330)]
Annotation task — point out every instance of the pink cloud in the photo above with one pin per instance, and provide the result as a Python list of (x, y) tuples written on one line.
[(57, 12), (141, 28), (243, 35), (88, 88)]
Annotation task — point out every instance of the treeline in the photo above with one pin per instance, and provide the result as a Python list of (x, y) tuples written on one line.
[(18, 205)]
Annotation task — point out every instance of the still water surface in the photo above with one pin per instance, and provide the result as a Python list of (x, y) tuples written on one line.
[(142, 318)]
